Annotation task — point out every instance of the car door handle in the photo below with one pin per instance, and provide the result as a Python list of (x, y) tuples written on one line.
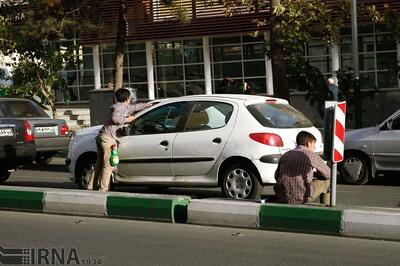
[(164, 143), (217, 140)]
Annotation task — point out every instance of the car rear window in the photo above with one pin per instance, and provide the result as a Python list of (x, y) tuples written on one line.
[(19, 109), (278, 116)]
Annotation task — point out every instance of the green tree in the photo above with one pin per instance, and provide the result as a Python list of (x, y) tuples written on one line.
[(292, 24), (35, 34)]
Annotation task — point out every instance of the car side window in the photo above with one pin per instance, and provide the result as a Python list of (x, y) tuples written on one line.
[(208, 115), (163, 119)]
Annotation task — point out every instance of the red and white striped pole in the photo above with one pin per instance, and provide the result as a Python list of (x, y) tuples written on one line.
[(339, 126)]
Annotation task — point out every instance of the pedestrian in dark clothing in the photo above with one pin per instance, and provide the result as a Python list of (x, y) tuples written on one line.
[(109, 136), (333, 90), (248, 89), (226, 85), (302, 176)]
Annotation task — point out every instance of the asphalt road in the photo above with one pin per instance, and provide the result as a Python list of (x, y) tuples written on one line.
[(382, 192), (127, 242)]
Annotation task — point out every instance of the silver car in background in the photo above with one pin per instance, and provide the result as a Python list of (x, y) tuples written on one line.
[(51, 135), (372, 150)]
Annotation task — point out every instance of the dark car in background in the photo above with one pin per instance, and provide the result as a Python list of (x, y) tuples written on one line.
[(51, 135), (17, 146)]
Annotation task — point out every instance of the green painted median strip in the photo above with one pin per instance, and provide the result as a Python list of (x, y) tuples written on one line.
[(21, 200), (169, 209), (300, 218)]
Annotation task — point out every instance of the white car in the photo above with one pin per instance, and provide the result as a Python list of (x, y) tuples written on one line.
[(231, 141)]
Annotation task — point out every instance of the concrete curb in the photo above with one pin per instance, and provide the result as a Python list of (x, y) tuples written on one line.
[(224, 213), (371, 223), (21, 200), (79, 203), (380, 223), (148, 207), (300, 218)]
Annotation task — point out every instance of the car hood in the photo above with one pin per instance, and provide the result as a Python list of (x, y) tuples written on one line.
[(89, 130), (360, 134)]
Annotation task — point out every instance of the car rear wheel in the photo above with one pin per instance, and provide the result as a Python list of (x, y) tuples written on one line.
[(240, 182), (354, 169), (4, 175)]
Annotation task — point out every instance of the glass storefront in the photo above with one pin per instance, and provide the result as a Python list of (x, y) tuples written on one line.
[(377, 56), (179, 68), (241, 58), (135, 70), (179, 64)]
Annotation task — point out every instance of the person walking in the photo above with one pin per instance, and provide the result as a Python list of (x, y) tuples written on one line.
[(333, 90), (109, 135), (302, 176)]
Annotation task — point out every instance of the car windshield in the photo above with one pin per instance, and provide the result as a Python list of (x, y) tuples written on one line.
[(18, 109), (278, 116)]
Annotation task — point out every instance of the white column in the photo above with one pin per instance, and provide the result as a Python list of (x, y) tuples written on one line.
[(268, 69), (96, 67), (207, 64), (335, 59), (398, 60), (150, 70)]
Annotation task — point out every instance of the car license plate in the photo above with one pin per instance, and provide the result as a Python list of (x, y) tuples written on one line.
[(6, 132), (44, 129)]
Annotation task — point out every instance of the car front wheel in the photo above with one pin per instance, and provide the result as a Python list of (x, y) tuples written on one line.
[(85, 169), (354, 169), (240, 182)]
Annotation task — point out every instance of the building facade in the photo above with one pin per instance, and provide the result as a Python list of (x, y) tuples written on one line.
[(165, 58)]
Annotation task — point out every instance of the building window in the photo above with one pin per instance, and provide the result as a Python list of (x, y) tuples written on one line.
[(179, 68), (377, 56), (241, 58), (135, 67), (79, 77), (317, 54)]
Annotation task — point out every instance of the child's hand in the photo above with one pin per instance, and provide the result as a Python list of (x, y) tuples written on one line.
[(130, 118)]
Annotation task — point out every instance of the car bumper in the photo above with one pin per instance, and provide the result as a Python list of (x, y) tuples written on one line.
[(267, 166), (52, 144)]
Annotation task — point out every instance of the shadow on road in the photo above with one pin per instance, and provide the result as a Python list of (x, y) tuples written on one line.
[(55, 184), (380, 180), (60, 168)]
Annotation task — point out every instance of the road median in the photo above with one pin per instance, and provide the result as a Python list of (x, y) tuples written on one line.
[(379, 223)]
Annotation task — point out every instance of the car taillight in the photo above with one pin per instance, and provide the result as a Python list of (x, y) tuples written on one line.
[(64, 130), (28, 134), (267, 139)]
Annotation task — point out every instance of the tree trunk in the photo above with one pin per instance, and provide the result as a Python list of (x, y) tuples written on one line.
[(120, 45), (279, 73)]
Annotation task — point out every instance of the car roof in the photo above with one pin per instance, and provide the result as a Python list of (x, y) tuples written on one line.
[(244, 98)]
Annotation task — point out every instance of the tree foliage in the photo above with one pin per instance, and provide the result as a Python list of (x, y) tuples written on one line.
[(293, 23), (34, 34)]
